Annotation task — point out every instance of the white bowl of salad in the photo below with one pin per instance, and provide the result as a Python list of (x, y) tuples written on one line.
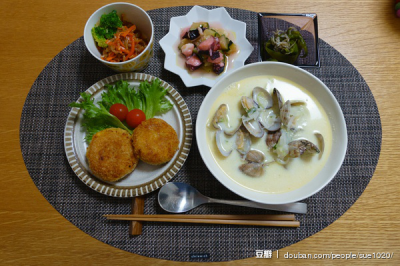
[(120, 35)]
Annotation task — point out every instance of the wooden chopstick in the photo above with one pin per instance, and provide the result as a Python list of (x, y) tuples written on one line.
[(267, 217), (283, 220)]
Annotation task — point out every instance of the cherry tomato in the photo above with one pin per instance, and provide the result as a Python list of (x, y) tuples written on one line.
[(119, 110), (135, 117)]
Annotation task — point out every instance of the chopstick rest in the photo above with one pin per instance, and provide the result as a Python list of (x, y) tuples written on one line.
[(135, 227)]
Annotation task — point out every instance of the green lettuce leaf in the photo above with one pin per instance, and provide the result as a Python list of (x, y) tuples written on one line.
[(96, 118), (149, 97), (154, 95)]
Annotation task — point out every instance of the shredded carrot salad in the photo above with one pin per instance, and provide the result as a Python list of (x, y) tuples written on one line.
[(126, 44)]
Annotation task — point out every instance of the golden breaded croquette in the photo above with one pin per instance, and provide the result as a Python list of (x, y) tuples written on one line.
[(110, 154), (155, 141)]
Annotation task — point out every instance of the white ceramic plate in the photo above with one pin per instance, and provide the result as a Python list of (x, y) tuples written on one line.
[(175, 62), (318, 90), (145, 178)]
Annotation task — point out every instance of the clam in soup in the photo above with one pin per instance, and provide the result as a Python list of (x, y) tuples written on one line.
[(269, 134)]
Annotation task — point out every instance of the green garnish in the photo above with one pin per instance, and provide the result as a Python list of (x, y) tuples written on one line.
[(109, 23), (96, 118), (251, 110), (149, 97), (286, 46)]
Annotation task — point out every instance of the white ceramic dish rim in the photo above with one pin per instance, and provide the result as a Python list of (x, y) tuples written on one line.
[(173, 35), (99, 10), (333, 110), (147, 180)]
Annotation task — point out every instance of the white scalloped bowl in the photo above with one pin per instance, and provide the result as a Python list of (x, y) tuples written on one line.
[(169, 43), (315, 87)]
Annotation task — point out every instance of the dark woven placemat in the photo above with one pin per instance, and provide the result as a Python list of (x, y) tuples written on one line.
[(74, 70)]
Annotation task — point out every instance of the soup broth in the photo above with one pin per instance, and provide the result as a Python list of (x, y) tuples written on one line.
[(276, 177)]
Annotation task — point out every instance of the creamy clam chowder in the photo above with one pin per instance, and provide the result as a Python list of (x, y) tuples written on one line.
[(270, 142)]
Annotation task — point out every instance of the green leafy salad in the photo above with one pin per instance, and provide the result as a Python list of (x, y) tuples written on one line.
[(148, 97)]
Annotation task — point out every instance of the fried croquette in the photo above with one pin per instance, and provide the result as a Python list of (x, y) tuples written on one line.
[(110, 154), (155, 141)]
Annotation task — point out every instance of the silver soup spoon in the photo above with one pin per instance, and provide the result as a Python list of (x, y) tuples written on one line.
[(180, 197)]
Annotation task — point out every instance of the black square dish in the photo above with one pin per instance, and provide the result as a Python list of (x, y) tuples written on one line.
[(306, 24)]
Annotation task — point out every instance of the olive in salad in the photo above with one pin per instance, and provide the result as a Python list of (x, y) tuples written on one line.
[(285, 46), (206, 48)]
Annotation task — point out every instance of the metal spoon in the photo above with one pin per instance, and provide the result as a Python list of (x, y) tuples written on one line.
[(180, 197)]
